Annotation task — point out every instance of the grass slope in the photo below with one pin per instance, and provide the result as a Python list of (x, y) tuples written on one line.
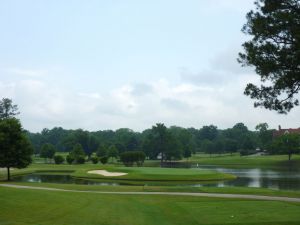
[(246, 161), (24, 207)]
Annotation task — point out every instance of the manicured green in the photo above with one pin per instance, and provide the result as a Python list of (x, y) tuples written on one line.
[(235, 160), (142, 188), (24, 207), (134, 173)]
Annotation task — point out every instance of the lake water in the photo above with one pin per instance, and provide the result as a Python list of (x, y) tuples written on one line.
[(280, 178), (58, 178)]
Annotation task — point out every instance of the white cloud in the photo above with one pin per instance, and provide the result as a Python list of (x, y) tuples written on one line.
[(45, 104), (26, 72)]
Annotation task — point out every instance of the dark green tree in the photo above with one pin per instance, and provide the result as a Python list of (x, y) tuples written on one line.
[(113, 152), (58, 159), (7, 109), (47, 151), (264, 135), (101, 151), (15, 149), (286, 144), (77, 153), (160, 139), (274, 51)]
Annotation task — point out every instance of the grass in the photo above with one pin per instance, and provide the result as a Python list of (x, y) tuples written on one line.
[(24, 207), (236, 161), (140, 174), (136, 188)]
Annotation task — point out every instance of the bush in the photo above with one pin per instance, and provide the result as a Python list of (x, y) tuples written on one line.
[(129, 158), (104, 159), (245, 152), (58, 159), (80, 159), (94, 159), (70, 159)]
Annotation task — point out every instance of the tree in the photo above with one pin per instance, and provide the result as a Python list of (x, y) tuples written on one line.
[(70, 159), (58, 159), (7, 109), (47, 151), (208, 132), (95, 159), (160, 138), (264, 135), (104, 160), (77, 153), (101, 151), (113, 152), (286, 144), (274, 51), (129, 158), (15, 149)]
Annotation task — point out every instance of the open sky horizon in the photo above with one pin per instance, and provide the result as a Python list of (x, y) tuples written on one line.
[(101, 65)]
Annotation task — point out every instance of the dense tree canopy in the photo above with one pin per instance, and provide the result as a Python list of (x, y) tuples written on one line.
[(172, 143), (15, 149), (274, 51)]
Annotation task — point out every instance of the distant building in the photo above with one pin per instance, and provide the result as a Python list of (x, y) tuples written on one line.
[(280, 132)]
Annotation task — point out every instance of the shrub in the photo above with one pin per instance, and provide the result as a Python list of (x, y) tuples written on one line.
[(58, 159), (104, 159), (70, 159), (129, 158), (80, 159), (94, 159)]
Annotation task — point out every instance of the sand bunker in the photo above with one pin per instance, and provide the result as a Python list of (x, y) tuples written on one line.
[(106, 173)]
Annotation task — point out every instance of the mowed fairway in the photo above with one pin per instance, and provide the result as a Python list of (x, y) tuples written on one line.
[(158, 174), (22, 207)]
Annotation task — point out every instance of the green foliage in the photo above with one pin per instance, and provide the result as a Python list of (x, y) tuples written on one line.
[(274, 51), (78, 154), (15, 149), (47, 151), (70, 159), (265, 136), (129, 158), (104, 160), (58, 159), (7, 109), (286, 144), (208, 132), (80, 159), (94, 159), (113, 152), (101, 151)]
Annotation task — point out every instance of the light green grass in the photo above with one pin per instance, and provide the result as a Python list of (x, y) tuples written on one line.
[(24, 207), (269, 161), (158, 174), (134, 173), (141, 188)]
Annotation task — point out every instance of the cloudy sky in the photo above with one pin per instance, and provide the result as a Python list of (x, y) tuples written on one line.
[(128, 63)]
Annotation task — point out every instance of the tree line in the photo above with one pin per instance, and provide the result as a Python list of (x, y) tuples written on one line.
[(161, 142)]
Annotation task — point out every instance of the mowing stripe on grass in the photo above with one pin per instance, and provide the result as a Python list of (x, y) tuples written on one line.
[(213, 195)]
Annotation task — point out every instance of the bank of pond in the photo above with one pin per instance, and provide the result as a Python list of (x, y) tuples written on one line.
[(197, 176)]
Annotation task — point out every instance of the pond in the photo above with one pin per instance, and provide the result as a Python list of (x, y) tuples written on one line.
[(58, 178), (279, 179)]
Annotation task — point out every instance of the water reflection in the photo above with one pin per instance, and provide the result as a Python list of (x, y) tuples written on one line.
[(259, 178), (60, 178), (280, 179)]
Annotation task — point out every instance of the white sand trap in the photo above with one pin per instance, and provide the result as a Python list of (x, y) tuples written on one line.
[(106, 173)]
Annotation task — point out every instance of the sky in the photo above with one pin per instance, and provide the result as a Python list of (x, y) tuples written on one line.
[(100, 65)]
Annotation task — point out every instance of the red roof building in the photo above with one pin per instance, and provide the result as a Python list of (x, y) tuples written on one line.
[(280, 132)]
